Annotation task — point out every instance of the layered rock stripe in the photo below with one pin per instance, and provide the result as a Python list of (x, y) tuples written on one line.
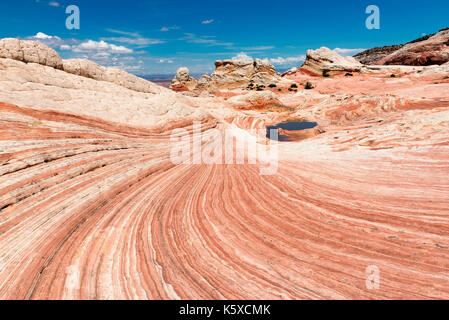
[(90, 213), (432, 49), (92, 207)]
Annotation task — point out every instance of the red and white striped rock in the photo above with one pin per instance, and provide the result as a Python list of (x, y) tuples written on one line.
[(92, 207)]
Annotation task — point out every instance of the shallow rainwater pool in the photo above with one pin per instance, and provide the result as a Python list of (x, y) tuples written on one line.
[(290, 126)]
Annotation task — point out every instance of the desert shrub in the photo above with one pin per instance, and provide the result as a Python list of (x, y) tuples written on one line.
[(308, 86), (393, 76), (326, 74), (294, 86), (348, 75), (272, 85)]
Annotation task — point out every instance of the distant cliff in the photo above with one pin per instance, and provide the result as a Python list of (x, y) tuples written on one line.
[(432, 49)]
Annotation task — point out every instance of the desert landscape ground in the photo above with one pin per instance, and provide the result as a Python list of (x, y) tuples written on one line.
[(93, 207)]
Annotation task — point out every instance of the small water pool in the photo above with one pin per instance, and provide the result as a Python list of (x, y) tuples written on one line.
[(291, 126)]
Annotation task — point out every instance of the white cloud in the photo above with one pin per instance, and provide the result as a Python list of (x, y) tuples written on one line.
[(166, 29), (348, 52), (257, 48), (103, 46), (207, 21), (50, 3), (209, 40), (41, 35), (132, 38), (165, 61), (101, 55), (102, 52), (134, 41), (287, 60), (51, 41), (106, 54), (124, 33), (242, 57), (79, 46)]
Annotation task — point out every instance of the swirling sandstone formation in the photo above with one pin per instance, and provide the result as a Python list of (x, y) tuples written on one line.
[(92, 207)]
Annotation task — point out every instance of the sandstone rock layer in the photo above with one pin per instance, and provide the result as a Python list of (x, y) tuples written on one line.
[(90, 210), (326, 60), (229, 75), (433, 51), (183, 81), (29, 52), (92, 207)]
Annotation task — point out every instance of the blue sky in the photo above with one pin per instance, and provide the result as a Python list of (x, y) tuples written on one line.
[(157, 37)]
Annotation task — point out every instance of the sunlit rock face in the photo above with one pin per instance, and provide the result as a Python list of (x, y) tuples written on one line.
[(289, 71), (254, 100), (204, 82), (183, 81), (371, 56), (89, 69), (29, 52), (326, 60), (433, 51), (93, 207), (428, 50), (235, 74), (231, 74)]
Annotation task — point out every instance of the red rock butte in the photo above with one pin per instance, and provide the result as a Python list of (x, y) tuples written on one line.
[(92, 207)]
